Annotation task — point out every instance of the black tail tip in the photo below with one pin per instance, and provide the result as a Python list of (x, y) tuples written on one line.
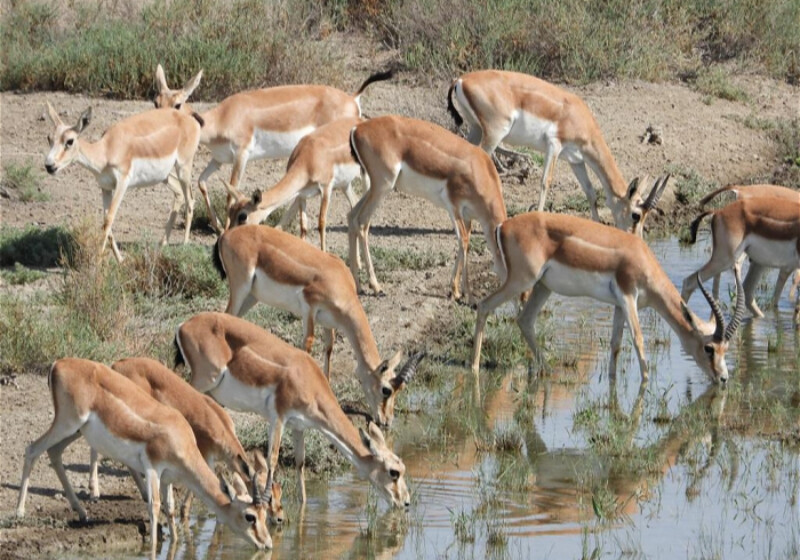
[(178, 358), (217, 259)]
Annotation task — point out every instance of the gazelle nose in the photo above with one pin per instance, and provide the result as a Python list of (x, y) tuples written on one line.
[(50, 168)]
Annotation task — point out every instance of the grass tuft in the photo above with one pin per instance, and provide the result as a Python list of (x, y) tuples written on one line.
[(25, 180)]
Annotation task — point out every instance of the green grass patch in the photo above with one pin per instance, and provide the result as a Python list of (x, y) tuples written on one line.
[(240, 44), (25, 180), (388, 260), (20, 275), (787, 141), (715, 82)]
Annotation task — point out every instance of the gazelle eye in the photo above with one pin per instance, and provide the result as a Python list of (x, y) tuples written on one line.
[(250, 518), (636, 218), (709, 349), (394, 473), (242, 218), (178, 105), (387, 392), (69, 142)]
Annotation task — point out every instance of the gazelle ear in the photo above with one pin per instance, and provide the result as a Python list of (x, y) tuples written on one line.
[(161, 80), (191, 85), (633, 186), (83, 120), (54, 118), (227, 489), (368, 443), (688, 315)]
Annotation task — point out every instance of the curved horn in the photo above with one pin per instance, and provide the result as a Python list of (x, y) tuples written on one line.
[(257, 498), (715, 309), (732, 327), (655, 194), (408, 370)]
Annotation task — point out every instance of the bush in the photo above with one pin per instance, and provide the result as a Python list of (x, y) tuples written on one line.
[(35, 247), (178, 271), (25, 180)]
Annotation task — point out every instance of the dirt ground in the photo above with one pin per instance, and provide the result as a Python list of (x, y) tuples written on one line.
[(709, 138)]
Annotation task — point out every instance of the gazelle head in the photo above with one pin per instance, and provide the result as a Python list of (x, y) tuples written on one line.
[(386, 470), (64, 140), (240, 207), (640, 209), (709, 351), (249, 520), (391, 382), (173, 98)]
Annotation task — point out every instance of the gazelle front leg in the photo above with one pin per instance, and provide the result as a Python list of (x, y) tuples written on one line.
[(579, 170), (274, 445), (553, 149), (94, 485), (154, 501), (629, 307), (107, 196), (202, 183), (618, 326), (185, 179), (299, 441), (460, 285), (527, 318), (111, 213)]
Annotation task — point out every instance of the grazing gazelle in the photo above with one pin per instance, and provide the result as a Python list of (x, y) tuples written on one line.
[(766, 229), (123, 422), (321, 162), (262, 123), (246, 368), (573, 256), (422, 159), (525, 111), (755, 271), (275, 267), (138, 151), (212, 426)]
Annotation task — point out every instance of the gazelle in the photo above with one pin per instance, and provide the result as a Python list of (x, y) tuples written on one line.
[(525, 111), (246, 368), (422, 159), (212, 427), (573, 256), (263, 123), (766, 229), (265, 264), (320, 163), (138, 151), (125, 423), (755, 270)]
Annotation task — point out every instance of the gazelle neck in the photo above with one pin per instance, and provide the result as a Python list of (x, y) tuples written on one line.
[(284, 192), (335, 424), (202, 481), (92, 155), (664, 297), (610, 176), (361, 339)]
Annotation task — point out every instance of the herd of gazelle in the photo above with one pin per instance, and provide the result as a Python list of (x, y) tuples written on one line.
[(142, 414)]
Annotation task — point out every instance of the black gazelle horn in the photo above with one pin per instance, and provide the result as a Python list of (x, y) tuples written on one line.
[(730, 330), (257, 496), (408, 370), (720, 320), (655, 194)]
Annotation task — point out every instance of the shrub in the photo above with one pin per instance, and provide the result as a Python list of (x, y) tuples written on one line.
[(35, 247), (175, 271), (25, 180)]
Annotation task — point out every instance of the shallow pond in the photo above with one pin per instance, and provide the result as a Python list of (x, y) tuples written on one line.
[(570, 465)]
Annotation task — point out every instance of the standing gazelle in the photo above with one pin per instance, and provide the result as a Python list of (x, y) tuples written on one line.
[(320, 163), (526, 111), (573, 256), (755, 271), (246, 368), (262, 123), (766, 229), (139, 151), (123, 422), (420, 158), (269, 265)]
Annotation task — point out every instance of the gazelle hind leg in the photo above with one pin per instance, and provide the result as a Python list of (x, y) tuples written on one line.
[(154, 503), (750, 284), (60, 431), (632, 318), (329, 337), (185, 180), (527, 318), (553, 149), (94, 485), (107, 196), (618, 326), (177, 203), (202, 183)]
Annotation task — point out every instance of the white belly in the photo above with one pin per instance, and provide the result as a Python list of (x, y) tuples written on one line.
[(131, 453), (283, 296), (151, 171), (416, 184), (767, 252), (572, 282), (232, 393), (271, 144), (344, 174), (530, 130)]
